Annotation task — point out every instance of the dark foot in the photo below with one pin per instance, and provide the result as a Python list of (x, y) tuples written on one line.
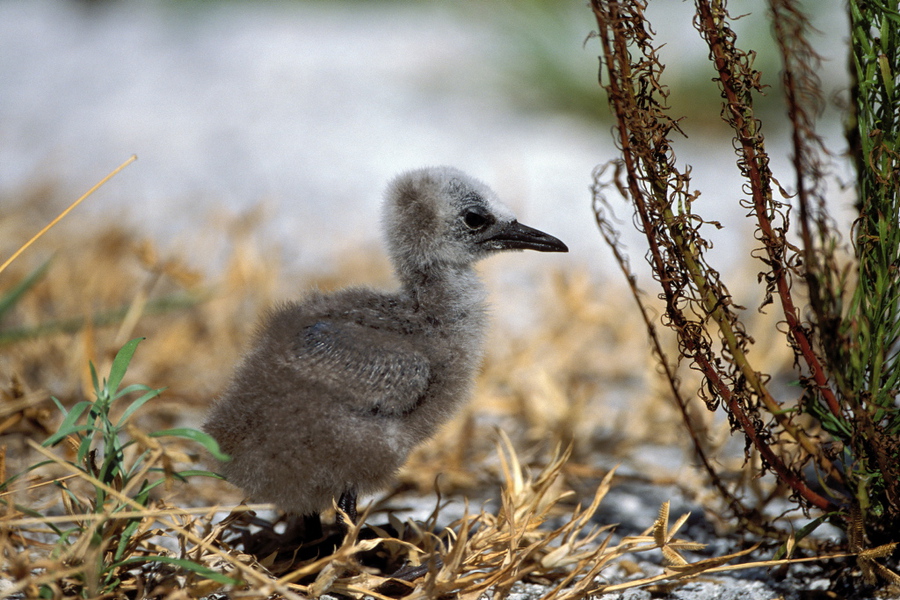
[(301, 530), (312, 527), (411, 573), (400, 584), (347, 503), (303, 534)]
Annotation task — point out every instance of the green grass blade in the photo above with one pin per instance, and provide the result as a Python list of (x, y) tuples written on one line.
[(134, 387), (30, 512), (197, 473), (137, 404), (9, 300), (183, 475), (188, 565), (129, 530), (4, 486), (802, 533), (68, 427), (58, 436), (164, 305), (120, 364), (204, 439), (83, 448), (77, 503), (59, 405), (94, 379)]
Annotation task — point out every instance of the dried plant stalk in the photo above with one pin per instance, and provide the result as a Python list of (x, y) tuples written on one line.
[(846, 354), (696, 299)]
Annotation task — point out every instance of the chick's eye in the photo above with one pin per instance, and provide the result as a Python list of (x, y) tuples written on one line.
[(475, 220)]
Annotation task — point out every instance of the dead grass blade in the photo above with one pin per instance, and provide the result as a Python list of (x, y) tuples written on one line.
[(63, 214)]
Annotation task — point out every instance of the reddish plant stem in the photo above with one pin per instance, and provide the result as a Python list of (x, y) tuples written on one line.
[(619, 67), (761, 190), (737, 507)]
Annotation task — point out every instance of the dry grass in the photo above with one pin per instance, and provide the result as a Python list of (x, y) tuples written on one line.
[(580, 379)]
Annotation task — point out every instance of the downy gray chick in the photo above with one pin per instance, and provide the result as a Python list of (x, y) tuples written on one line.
[(338, 388)]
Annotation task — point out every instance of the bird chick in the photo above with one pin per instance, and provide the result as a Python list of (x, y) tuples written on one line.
[(339, 388)]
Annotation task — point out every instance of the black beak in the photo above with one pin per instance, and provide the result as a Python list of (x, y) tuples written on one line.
[(515, 236)]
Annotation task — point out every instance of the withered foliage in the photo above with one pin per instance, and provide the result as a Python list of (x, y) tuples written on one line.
[(175, 551), (65, 532), (844, 461)]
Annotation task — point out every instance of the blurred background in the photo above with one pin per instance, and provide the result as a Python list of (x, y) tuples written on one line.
[(308, 107), (265, 134)]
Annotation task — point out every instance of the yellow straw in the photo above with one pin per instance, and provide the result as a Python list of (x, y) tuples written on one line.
[(67, 211)]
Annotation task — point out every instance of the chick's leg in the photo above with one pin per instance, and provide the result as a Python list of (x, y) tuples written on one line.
[(347, 503)]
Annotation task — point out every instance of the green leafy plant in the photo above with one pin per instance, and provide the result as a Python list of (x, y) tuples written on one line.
[(117, 468), (866, 351)]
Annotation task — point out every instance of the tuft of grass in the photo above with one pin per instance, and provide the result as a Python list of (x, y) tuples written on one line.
[(122, 467)]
